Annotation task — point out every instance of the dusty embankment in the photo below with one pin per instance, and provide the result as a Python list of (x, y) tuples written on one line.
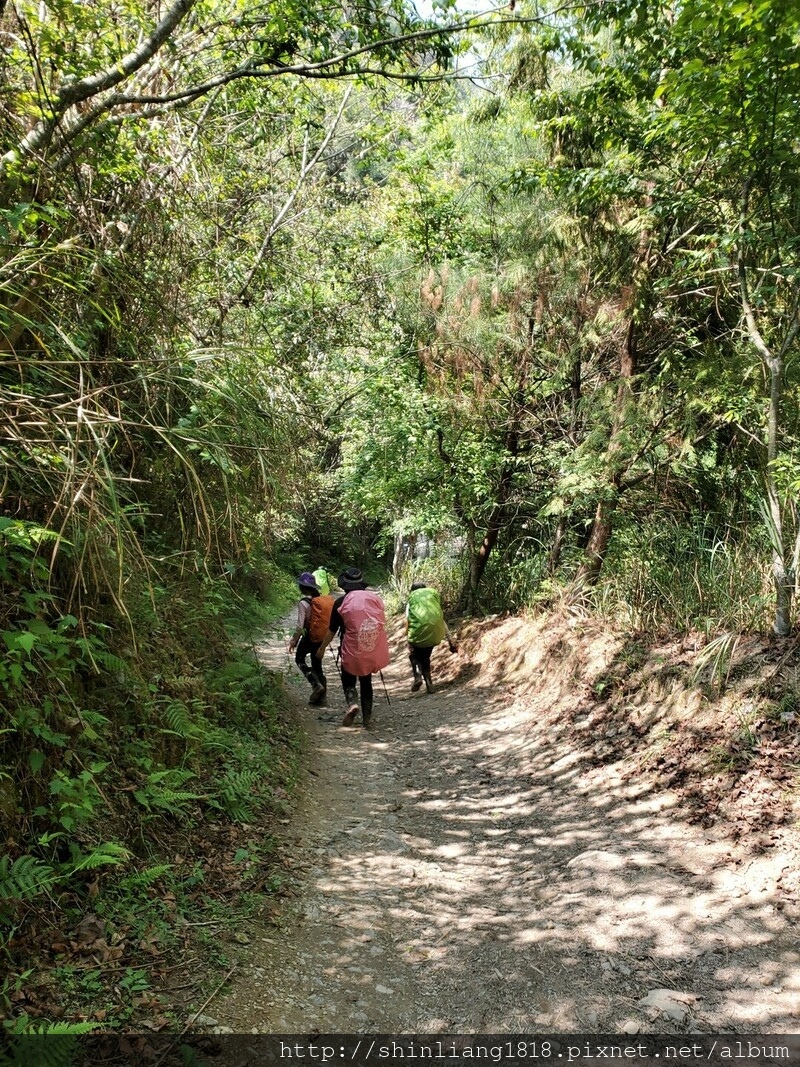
[(564, 837)]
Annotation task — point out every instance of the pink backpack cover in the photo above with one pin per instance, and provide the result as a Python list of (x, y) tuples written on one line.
[(365, 648)]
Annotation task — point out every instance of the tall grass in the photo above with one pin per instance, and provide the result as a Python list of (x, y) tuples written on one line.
[(697, 575), (444, 572)]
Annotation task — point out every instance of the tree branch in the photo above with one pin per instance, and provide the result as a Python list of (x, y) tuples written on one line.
[(90, 86), (69, 95), (305, 170), (45, 136)]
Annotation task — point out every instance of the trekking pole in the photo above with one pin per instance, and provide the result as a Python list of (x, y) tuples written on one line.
[(336, 662), (386, 691)]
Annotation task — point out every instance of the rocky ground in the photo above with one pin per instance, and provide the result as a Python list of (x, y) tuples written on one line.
[(563, 837)]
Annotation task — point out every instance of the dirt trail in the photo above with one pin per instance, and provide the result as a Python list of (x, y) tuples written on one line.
[(461, 870)]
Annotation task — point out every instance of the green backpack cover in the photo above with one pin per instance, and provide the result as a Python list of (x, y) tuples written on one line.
[(322, 578), (425, 618)]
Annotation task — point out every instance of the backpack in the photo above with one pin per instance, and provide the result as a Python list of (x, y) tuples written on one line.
[(425, 619), (322, 578), (365, 648), (320, 619)]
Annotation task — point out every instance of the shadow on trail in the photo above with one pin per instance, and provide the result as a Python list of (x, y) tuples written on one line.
[(564, 896)]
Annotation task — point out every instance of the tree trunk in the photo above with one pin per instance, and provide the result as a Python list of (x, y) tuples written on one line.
[(602, 524), (480, 558), (784, 589), (497, 519), (782, 571), (783, 563), (554, 558), (399, 556), (597, 546)]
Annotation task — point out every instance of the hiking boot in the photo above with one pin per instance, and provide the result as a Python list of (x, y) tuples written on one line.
[(317, 694), (416, 684), (352, 707), (366, 713), (350, 715), (428, 683)]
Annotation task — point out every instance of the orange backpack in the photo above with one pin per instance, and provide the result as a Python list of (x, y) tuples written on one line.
[(320, 620)]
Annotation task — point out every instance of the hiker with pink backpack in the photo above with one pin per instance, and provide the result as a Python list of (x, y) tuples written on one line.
[(359, 616)]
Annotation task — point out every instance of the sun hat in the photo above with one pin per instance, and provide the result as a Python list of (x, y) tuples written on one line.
[(352, 578), (307, 580)]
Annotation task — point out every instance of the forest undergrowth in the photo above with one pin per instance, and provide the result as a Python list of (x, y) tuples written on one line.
[(148, 768)]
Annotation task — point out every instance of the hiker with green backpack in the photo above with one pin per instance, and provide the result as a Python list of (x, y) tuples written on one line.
[(313, 618), (324, 580), (425, 628)]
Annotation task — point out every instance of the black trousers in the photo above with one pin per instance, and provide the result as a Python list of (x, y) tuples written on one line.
[(307, 648), (420, 656), (365, 683)]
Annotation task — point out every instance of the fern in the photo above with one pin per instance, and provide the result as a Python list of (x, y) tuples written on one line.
[(144, 879), (44, 1051), (181, 683), (173, 801), (179, 721), (98, 655), (27, 877), (109, 661), (43, 1043), (33, 1032), (234, 671), (102, 855), (237, 795), (174, 776), (220, 738), (159, 791)]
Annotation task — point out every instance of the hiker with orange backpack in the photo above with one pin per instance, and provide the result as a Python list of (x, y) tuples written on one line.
[(313, 620), (361, 619)]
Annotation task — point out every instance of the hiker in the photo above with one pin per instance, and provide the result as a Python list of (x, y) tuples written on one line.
[(313, 619), (360, 618), (425, 629)]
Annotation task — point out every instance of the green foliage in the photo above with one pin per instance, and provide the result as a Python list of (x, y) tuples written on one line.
[(177, 747), (139, 880), (160, 791), (23, 879), (29, 877), (236, 794), (664, 573), (49, 1044)]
